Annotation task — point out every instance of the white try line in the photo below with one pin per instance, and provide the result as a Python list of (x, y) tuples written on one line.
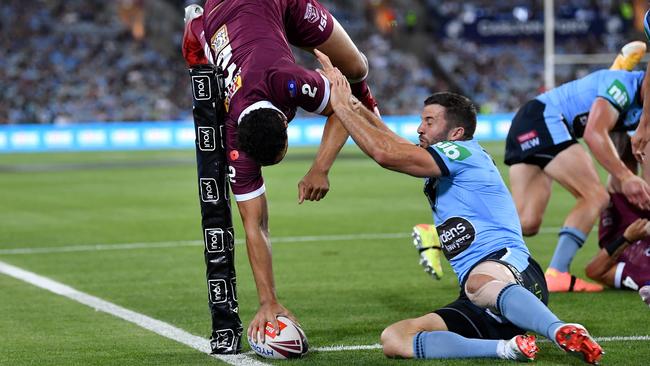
[(342, 348), (159, 327), (191, 243), (169, 331)]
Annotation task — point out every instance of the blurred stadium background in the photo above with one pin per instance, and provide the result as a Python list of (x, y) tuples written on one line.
[(72, 61), (125, 225)]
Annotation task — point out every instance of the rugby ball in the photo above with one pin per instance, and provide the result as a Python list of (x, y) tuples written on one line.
[(290, 343)]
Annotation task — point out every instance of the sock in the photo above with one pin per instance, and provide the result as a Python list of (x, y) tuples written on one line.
[(526, 311), (631, 276), (445, 344), (571, 239), (361, 90)]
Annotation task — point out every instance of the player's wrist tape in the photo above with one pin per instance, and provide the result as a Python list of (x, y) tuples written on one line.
[(613, 246)]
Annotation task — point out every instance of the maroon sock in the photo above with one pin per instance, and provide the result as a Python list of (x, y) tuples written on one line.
[(634, 276), (362, 92), (359, 89)]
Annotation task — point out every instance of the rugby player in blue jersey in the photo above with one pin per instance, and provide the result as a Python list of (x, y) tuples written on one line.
[(542, 146), (503, 293)]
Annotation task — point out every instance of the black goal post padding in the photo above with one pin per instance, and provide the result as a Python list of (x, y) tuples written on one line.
[(216, 216)]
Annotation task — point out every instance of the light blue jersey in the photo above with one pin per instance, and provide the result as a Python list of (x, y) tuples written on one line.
[(472, 208), (572, 102)]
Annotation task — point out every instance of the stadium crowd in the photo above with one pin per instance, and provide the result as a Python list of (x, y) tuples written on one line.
[(81, 61)]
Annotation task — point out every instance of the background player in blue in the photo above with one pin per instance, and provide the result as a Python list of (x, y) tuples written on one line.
[(503, 293), (542, 146)]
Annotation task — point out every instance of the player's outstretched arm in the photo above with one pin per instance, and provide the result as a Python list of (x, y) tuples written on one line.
[(607, 257), (315, 184), (381, 144), (254, 215), (602, 118)]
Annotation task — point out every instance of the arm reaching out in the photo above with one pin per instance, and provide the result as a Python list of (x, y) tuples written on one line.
[(254, 214), (315, 185), (602, 118), (370, 134)]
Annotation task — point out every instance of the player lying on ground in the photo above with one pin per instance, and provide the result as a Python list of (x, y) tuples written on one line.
[(624, 258), (542, 146), (264, 87), (503, 293)]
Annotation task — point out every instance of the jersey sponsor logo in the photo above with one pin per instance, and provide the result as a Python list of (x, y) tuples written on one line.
[(218, 291), (201, 87), (619, 94), (528, 140), (206, 138), (220, 39), (209, 190), (456, 234), (232, 88), (220, 44), (452, 150)]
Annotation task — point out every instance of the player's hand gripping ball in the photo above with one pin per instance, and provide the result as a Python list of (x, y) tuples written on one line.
[(290, 343)]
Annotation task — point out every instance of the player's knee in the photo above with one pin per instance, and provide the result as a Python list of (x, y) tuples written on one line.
[(530, 225), (357, 68), (393, 344), (602, 198)]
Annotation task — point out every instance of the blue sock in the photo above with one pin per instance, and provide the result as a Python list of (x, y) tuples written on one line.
[(526, 311), (571, 239), (445, 344)]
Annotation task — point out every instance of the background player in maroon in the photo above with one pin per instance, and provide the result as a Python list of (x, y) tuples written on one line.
[(624, 258), (264, 87)]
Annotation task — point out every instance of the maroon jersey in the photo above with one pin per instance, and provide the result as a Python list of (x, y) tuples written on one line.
[(250, 41), (618, 215)]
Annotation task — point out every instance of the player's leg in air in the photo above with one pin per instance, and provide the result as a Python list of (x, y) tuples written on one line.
[(338, 45), (427, 243), (630, 56)]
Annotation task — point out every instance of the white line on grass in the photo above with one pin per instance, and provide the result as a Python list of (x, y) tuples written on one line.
[(154, 325), (378, 346), (190, 243)]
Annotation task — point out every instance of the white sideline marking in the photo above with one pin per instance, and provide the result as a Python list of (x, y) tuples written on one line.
[(159, 327), (378, 346), (191, 243)]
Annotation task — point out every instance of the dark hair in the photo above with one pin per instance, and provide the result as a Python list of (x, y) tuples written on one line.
[(262, 134), (459, 111)]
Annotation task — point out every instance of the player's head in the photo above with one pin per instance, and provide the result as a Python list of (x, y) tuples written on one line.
[(447, 117), (262, 134)]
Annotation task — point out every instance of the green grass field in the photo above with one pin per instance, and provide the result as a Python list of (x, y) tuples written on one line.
[(345, 292)]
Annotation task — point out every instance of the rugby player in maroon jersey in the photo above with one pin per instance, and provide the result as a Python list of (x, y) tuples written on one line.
[(264, 87)]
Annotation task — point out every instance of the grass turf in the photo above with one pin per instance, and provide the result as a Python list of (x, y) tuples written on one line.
[(343, 291)]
